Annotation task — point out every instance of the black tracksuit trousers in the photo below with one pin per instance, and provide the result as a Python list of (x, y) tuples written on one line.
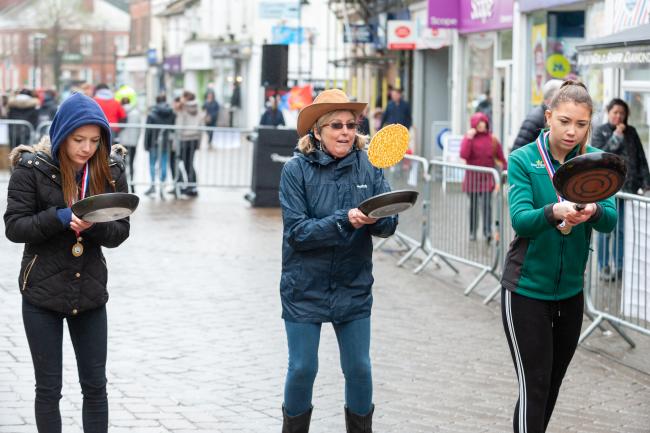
[(543, 336)]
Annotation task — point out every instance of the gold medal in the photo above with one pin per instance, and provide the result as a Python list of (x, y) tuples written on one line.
[(78, 248)]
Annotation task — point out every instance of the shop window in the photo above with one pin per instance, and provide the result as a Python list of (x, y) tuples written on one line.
[(479, 64), (505, 45)]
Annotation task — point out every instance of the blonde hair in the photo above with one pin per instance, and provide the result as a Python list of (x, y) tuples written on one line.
[(307, 145), (577, 93)]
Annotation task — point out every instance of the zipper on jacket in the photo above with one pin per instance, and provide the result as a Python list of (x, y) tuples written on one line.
[(559, 273), (28, 269)]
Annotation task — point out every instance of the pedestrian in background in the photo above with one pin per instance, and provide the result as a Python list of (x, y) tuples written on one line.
[(616, 136), (63, 271), (130, 135), (272, 115), (211, 109), (23, 106), (189, 117), (535, 121), (327, 256), (479, 147), (397, 110), (49, 106), (112, 109), (158, 142), (543, 278)]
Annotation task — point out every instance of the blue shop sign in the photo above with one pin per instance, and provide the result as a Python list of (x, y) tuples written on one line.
[(359, 34), (152, 56), (286, 35)]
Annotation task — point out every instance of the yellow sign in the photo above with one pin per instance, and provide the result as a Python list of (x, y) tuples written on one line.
[(538, 41), (558, 66)]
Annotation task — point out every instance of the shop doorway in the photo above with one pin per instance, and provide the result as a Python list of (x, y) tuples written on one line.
[(502, 113)]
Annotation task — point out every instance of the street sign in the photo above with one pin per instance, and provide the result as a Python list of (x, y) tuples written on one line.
[(286, 35), (278, 10), (359, 34), (401, 35)]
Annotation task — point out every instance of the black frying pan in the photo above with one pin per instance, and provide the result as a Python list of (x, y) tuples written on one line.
[(106, 207), (590, 177), (388, 203)]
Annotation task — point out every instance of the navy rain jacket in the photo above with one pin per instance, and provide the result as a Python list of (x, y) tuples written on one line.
[(326, 263)]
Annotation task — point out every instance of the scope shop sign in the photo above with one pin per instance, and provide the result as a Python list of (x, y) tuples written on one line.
[(402, 35)]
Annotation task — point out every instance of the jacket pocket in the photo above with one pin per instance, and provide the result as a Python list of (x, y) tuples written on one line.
[(28, 270)]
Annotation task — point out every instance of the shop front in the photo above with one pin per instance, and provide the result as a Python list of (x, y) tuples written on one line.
[(484, 64), (625, 56), (550, 32)]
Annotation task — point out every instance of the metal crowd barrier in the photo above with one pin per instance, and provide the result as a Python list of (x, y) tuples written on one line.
[(440, 225), (465, 214), (411, 173), (223, 157), (617, 284)]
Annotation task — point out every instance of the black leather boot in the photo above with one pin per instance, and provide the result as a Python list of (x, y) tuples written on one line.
[(296, 424), (358, 423)]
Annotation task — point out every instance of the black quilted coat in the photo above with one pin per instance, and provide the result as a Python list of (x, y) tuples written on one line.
[(50, 276)]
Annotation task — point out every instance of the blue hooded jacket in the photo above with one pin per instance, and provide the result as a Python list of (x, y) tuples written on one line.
[(326, 262), (76, 111)]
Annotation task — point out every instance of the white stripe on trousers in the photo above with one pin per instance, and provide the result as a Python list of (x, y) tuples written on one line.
[(520, 367)]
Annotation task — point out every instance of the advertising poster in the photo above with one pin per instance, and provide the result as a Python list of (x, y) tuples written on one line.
[(538, 40)]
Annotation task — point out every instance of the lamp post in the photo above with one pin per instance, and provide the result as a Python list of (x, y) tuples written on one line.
[(36, 39), (301, 3)]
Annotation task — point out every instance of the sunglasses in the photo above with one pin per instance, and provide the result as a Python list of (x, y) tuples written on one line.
[(340, 125)]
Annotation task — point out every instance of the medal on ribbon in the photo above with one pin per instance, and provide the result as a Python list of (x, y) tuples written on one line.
[(78, 248), (562, 227)]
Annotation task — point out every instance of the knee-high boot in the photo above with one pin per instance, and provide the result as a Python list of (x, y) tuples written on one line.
[(358, 423), (296, 424)]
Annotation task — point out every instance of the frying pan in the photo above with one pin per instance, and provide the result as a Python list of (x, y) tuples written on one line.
[(106, 207), (590, 177), (389, 203)]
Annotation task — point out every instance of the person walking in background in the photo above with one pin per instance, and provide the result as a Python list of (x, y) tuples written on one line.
[(616, 136), (130, 136), (23, 106), (272, 115), (397, 110), (327, 257), (479, 147), (535, 121), (48, 107), (63, 273), (543, 278), (113, 110), (158, 142), (188, 116), (211, 109)]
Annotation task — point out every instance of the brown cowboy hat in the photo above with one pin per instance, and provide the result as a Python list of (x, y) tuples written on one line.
[(326, 101)]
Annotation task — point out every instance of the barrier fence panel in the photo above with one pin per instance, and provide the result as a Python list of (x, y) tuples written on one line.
[(617, 284), (193, 156), (505, 233), (12, 133), (466, 209), (411, 173)]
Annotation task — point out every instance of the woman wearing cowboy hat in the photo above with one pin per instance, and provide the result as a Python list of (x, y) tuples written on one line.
[(327, 256)]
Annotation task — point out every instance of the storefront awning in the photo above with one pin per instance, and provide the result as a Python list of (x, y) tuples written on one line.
[(627, 49)]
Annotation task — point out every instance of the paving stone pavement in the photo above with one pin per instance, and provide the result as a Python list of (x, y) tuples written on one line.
[(196, 343)]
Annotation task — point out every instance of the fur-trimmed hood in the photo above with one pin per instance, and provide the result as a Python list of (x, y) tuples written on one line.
[(23, 102), (44, 146)]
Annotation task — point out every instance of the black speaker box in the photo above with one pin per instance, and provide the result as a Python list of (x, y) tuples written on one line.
[(275, 64), (272, 148)]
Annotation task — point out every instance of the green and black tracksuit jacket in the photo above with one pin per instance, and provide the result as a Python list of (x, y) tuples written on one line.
[(542, 263)]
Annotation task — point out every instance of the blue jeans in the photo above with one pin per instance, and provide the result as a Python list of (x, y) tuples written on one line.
[(354, 349), (616, 241), (153, 158), (44, 329)]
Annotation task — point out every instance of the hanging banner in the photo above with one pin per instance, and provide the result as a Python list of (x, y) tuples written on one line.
[(402, 35), (538, 41), (299, 97)]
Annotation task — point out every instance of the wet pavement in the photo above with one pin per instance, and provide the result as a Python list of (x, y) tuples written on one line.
[(196, 343)]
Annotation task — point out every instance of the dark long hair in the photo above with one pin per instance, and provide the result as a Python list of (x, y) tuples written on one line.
[(617, 101)]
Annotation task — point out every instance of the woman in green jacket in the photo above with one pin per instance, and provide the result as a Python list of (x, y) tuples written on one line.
[(543, 279)]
